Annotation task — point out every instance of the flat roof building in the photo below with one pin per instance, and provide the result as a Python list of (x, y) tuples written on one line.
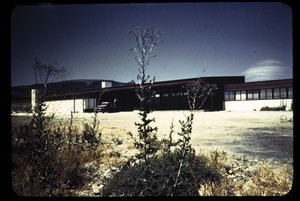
[(169, 95), (232, 94)]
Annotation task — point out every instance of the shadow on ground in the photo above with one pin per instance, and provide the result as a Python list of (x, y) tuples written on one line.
[(268, 143)]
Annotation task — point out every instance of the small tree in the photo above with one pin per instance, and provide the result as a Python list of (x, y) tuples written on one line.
[(146, 38), (44, 74), (198, 91)]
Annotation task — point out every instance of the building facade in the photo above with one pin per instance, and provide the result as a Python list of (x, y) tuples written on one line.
[(168, 95), (253, 96)]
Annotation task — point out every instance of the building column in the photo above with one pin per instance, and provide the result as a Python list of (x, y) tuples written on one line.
[(34, 98)]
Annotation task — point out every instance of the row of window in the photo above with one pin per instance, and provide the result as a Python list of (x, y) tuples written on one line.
[(258, 94), (171, 94)]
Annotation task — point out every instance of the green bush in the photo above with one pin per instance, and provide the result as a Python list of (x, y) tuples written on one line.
[(279, 108), (160, 179)]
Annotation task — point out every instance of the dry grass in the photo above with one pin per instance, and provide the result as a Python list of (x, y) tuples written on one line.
[(109, 156), (265, 180), (130, 146), (269, 182)]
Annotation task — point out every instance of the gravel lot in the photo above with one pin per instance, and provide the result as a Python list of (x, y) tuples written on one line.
[(259, 134)]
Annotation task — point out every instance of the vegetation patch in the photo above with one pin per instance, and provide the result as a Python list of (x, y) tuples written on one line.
[(279, 108), (160, 179)]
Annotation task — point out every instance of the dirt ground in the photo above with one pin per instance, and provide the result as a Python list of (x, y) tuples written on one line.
[(258, 133)]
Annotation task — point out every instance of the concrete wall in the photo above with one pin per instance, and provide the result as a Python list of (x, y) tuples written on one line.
[(256, 105), (64, 106)]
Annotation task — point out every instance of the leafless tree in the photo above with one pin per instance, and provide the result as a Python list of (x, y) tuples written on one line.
[(146, 38), (47, 73), (44, 74), (198, 90)]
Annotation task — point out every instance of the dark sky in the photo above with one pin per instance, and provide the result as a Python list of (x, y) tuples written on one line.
[(92, 40)]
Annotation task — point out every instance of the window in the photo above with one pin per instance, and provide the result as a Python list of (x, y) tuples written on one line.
[(283, 93), (240, 95), (269, 94), (276, 93), (226, 95), (290, 92), (92, 103), (231, 95), (237, 95), (89, 103), (256, 94), (263, 94), (86, 103), (250, 94), (243, 95)]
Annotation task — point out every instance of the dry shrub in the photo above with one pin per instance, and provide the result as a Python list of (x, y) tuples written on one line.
[(57, 174), (51, 164), (217, 158), (112, 158), (130, 146), (269, 182), (264, 180), (160, 180)]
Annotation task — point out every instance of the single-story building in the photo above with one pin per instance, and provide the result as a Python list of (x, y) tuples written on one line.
[(232, 94), (169, 95)]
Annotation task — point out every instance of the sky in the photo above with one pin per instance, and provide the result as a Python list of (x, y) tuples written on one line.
[(251, 39)]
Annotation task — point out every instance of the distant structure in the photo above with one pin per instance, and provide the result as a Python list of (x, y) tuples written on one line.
[(233, 94), (105, 84)]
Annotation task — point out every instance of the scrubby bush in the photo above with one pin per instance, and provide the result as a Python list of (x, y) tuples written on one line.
[(279, 108), (160, 180), (49, 162), (41, 167)]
